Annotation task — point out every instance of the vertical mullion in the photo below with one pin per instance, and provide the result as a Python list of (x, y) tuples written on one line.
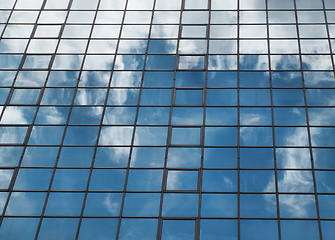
[(307, 121), (168, 141), (272, 120), (202, 141), (136, 117), (238, 124)]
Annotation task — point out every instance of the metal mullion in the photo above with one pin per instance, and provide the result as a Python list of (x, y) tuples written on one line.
[(238, 125), (16, 170), (328, 35), (307, 119), (168, 141), (136, 116), (273, 124), (202, 140)]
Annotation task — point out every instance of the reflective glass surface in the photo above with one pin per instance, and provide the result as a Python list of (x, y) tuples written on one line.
[(159, 120)]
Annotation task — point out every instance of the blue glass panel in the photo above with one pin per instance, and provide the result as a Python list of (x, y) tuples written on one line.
[(76, 156), (123, 97), (144, 180), (10, 156), (3, 95), (120, 115), (39, 156), (256, 158), (32, 179), (182, 180), (57, 96), (255, 116), (319, 79), (321, 116), (178, 230), (46, 135), (291, 136), (189, 97), (63, 78), (162, 46), (25, 96), (222, 79), (325, 181), (190, 79), (147, 157), (81, 135), (134, 229), (288, 97), (286, 79), (255, 97), (58, 228), (26, 203), (220, 136), (107, 179), (303, 181), (156, 97), (184, 158), (328, 230), (86, 115), (254, 79), (180, 205), (257, 181), (153, 116), (219, 181), (187, 116), (299, 229), (254, 62), (225, 97), (324, 158), (293, 158), (221, 116), (259, 229), (13, 134), (158, 79), (98, 228), (289, 116), (141, 204), (103, 204), (125, 79), (218, 229), (9, 228), (297, 206), (111, 157), (320, 97), (323, 137), (256, 136), (64, 204), (258, 205), (52, 115), (18, 115), (150, 136), (160, 62), (70, 179), (129, 62), (185, 136), (219, 205), (220, 158), (116, 135), (327, 206)]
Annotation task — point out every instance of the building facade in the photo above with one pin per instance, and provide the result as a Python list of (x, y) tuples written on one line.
[(156, 119)]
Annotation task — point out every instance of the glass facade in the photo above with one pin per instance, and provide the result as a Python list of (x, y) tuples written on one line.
[(178, 119)]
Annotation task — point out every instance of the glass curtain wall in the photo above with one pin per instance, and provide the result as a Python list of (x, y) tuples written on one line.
[(178, 119)]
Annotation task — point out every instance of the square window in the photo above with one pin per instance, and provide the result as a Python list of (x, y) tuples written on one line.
[(219, 205), (180, 205), (189, 97), (178, 229), (219, 181), (141, 204)]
